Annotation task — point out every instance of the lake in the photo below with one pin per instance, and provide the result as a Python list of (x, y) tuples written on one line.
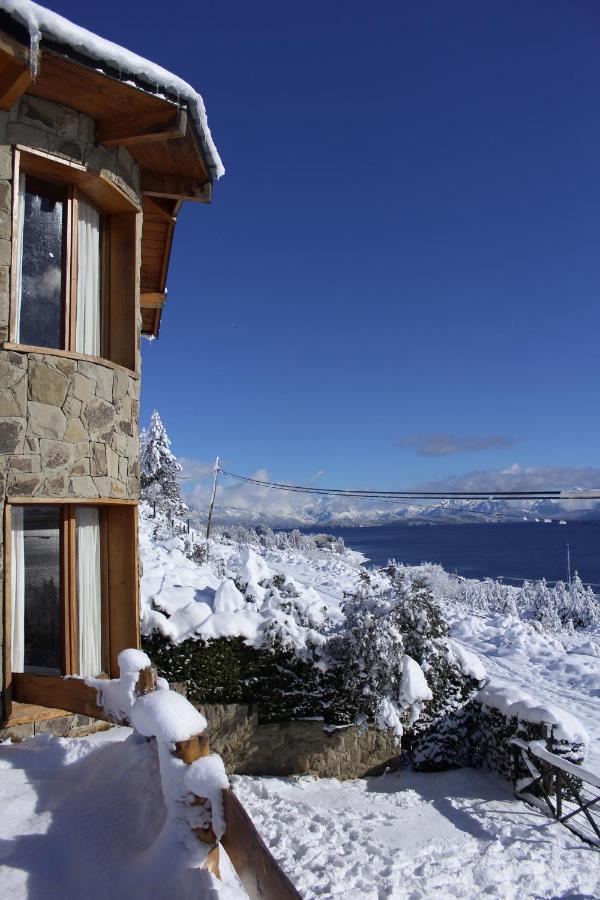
[(514, 552)]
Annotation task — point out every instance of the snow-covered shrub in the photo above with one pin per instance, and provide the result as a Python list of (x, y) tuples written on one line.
[(159, 468)]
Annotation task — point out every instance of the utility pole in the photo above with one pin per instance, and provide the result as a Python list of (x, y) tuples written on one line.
[(569, 563), (212, 503)]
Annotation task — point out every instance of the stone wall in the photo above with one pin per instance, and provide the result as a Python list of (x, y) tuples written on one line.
[(296, 748), (68, 428)]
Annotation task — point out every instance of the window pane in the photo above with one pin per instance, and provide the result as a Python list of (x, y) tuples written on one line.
[(41, 314), (42, 638)]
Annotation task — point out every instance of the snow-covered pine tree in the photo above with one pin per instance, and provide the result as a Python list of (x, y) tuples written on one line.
[(159, 468)]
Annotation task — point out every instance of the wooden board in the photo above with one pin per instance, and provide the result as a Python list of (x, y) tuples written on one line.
[(258, 870), (70, 694), (123, 586)]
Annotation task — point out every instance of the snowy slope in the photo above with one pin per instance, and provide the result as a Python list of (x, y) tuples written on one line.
[(561, 668)]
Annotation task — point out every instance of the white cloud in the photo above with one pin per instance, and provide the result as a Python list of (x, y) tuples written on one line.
[(251, 502), (443, 444)]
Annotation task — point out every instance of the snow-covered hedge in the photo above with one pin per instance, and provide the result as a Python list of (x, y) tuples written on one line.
[(479, 733)]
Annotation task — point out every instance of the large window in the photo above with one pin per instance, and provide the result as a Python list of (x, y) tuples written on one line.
[(75, 260), (59, 233), (57, 590)]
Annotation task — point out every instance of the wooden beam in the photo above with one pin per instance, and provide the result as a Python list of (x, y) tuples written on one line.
[(152, 300), (124, 132), (260, 873), (151, 206), (14, 81), (71, 694), (177, 187)]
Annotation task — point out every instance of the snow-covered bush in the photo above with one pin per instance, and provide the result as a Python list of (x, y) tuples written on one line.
[(159, 468)]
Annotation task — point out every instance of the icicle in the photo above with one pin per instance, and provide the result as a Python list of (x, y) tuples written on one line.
[(34, 51)]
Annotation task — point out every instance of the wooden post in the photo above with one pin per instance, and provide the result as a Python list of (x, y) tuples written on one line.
[(212, 504), (189, 751), (146, 682)]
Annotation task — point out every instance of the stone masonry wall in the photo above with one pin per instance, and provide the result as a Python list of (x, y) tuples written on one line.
[(68, 428), (249, 747)]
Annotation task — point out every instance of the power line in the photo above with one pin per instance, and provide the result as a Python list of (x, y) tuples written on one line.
[(420, 495)]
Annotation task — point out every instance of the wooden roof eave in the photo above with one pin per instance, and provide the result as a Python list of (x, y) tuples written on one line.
[(157, 131)]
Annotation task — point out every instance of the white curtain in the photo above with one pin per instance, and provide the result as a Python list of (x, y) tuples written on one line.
[(19, 267), (87, 330), (89, 591), (17, 578)]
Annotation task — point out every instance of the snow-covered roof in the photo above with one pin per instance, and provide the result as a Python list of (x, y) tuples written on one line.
[(43, 24)]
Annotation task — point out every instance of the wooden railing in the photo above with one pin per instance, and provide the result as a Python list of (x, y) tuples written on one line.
[(567, 792), (258, 870)]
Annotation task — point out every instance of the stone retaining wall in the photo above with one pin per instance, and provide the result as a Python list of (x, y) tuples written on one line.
[(296, 748)]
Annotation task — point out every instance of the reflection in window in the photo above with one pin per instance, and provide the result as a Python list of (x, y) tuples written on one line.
[(36, 590), (39, 314)]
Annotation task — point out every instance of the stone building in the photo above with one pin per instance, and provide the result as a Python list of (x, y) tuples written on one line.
[(98, 150)]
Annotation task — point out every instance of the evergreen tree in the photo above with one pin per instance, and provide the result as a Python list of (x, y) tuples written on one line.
[(159, 468)]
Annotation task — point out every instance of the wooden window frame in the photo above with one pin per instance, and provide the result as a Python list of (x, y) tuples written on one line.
[(119, 255), (120, 602)]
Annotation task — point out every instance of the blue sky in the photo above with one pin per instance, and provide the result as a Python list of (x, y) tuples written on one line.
[(398, 279)]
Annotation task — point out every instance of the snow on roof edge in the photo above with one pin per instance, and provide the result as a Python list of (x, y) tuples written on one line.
[(41, 22)]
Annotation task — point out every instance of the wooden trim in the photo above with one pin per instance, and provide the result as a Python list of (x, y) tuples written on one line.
[(72, 249), (14, 258), (13, 83), (124, 132), (71, 632), (71, 694), (103, 190), (65, 641), (105, 286), (7, 618), (258, 870), (105, 615), (153, 299), (157, 208), (68, 354), (10, 46), (123, 587), (75, 501), (176, 187)]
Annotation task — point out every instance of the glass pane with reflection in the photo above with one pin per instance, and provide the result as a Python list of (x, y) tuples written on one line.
[(41, 314), (42, 571)]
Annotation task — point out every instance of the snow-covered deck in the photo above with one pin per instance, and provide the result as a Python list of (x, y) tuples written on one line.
[(449, 834)]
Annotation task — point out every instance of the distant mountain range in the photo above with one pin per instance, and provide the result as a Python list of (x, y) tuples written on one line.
[(326, 512)]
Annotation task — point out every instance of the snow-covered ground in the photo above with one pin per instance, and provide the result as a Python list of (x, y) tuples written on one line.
[(80, 818), (452, 834)]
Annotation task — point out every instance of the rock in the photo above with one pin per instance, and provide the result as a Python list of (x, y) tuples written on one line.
[(104, 384), (12, 434), (83, 486), (46, 421), (8, 404), (56, 454), (47, 385), (55, 485), (98, 415), (75, 432), (72, 408), (22, 485), (98, 460), (83, 388), (10, 371)]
